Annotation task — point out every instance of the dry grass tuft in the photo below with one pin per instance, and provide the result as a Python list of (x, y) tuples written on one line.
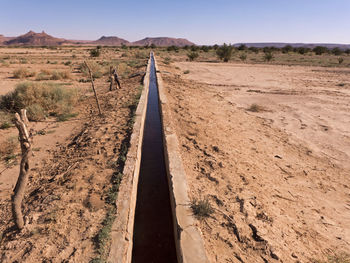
[(256, 108), (201, 208), (53, 75), (22, 73), (40, 99)]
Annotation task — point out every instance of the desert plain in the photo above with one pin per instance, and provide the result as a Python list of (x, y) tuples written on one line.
[(266, 143)]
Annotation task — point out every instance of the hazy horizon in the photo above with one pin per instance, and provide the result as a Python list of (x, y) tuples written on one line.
[(202, 22)]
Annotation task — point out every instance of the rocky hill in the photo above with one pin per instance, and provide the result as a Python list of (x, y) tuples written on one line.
[(36, 39), (163, 41), (4, 39), (110, 41)]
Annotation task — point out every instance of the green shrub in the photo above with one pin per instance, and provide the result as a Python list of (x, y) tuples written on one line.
[(319, 50), (186, 71), (192, 55), (337, 51), (268, 56), (41, 99), (242, 47), (243, 57), (205, 48), (340, 60), (254, 49), (95, 52), (225, 52), (286, 49), (173, 48), (302, 50)]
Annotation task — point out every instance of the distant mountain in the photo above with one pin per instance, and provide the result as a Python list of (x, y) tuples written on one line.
[(36, 39), (42, 39), (110, 41), (307, 45), (163, 41), (4, 39)]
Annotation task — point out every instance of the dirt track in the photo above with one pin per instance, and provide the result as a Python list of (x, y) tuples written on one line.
[(277, 198)]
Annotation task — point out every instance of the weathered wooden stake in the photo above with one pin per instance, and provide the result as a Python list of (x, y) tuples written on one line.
[(93, 88), (111, 79), (22, 124)]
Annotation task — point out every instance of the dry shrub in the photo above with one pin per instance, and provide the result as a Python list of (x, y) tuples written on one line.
[(41, 99), (53, 75), (341, 257), (5, 120), (141, 55), (201, 208), (8, 148), (22, 73), (256, 108), (123, 69), (95, 68), (57, 75)]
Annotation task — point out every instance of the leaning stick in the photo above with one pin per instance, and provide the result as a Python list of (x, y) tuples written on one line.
[(111, 79), (93, 88), (21, 123)]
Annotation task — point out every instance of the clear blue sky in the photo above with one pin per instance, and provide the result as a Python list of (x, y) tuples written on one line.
[(203, 22)]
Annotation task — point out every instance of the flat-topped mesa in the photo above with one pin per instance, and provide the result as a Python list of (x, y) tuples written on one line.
[(163, 41), (110, 41)]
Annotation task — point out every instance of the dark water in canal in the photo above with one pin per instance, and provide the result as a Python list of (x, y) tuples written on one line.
[(153, 240)]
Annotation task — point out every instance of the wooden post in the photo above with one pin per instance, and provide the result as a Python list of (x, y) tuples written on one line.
[(93, 88), (111, 79), (22, 124)]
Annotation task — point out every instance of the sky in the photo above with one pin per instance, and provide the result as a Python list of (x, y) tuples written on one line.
[(202, 22)]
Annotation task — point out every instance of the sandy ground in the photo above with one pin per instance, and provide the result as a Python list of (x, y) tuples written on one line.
[(311, 104), (66, 200), (278, 179)]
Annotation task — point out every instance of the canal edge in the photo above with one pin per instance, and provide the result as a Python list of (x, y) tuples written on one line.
[(188, 239), (123, 225)]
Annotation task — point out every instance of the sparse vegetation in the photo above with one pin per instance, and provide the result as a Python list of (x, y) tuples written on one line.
[(268, 56), (256, 108), (5, 120), (8, 148), (192, 55), (53, 75), (167, 60), (319, 50), (95, 52), (243, 56), (22, 73), (96, 69), (41, 100), (340, 60), (186, 71), (201, 208), (340, 258), (225, 52)]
